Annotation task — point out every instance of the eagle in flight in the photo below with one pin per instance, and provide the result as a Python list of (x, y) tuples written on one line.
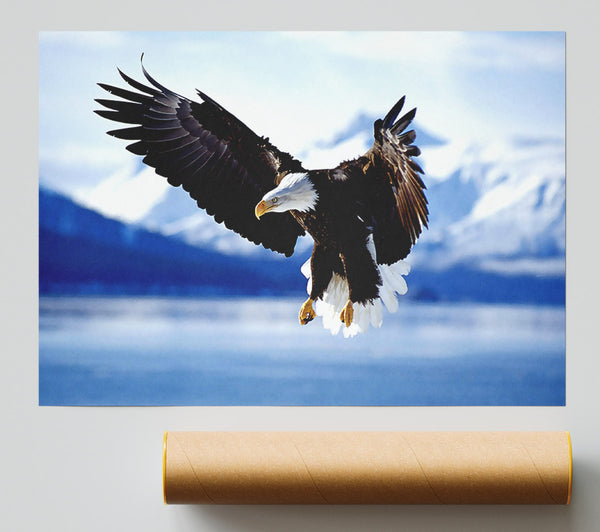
[(364, 215)]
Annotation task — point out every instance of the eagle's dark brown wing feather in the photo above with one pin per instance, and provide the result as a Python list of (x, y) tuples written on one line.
[(217, 159), (394, 195)]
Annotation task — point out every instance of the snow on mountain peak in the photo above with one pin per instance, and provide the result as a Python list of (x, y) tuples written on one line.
[(128, 194), (329, 156), (504, 200)]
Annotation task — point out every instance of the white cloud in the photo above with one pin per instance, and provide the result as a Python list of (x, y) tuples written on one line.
[(71, 153), (443, 49), (493, 49), (384, 46)]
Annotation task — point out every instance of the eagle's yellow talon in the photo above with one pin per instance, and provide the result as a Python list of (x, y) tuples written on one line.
[(347, 314), (306, 312)]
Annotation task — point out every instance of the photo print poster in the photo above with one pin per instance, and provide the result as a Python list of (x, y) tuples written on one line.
[(438, 276)]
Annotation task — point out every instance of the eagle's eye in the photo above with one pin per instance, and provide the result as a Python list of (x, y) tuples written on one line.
[(275, 200)]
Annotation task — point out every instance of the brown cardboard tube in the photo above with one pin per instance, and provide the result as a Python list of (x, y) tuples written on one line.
[(367, 467)]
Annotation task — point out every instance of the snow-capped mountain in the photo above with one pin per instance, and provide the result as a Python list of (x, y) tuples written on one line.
[(499, 206), (496, 206)]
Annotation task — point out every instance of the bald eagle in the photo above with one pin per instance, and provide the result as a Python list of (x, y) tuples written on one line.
[(364, 215)]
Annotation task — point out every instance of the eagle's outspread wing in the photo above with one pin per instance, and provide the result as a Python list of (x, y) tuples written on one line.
[(395, 201), (217, 159)]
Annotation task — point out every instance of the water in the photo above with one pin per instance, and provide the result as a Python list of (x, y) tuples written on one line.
[(177, 351)]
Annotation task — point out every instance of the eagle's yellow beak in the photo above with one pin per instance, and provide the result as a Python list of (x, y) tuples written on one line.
[(261, 208)]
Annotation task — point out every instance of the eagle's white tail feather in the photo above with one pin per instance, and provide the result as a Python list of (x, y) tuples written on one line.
[(305, 269), (393, 282), (332, 303), (330, 306)]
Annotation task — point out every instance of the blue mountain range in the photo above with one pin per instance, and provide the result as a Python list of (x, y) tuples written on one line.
[(83, 252)]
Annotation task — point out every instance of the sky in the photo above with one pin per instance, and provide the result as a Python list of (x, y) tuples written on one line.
[(298, 88)]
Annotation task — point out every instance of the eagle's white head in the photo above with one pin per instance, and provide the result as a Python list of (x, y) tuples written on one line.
[(295, 192)]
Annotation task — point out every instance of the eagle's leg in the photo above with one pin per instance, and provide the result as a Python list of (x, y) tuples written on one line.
[(347, 314), (362, 275), (307, 312), (321, 271)]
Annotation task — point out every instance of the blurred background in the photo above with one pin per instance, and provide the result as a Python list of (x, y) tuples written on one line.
[(144, 299)]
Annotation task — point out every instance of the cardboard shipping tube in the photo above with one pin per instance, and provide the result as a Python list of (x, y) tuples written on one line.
[(367, 467)]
